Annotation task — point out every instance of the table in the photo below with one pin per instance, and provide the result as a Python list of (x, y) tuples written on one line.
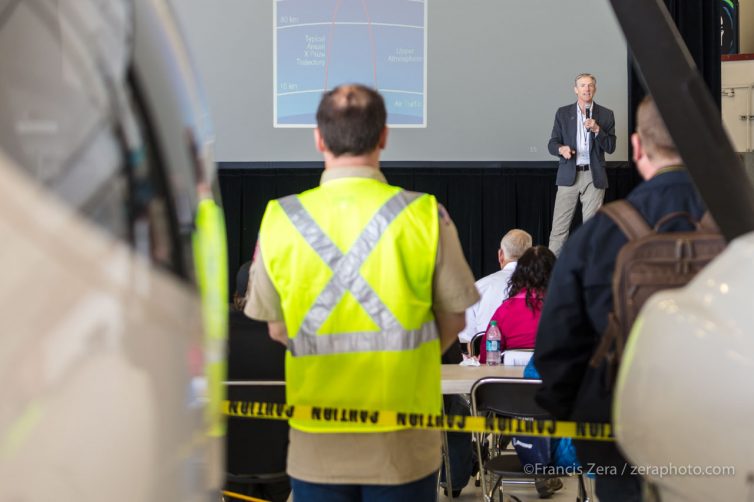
[(459, 379), (455, 379)]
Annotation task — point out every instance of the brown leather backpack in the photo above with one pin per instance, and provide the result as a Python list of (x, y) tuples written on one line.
[(650, 261)]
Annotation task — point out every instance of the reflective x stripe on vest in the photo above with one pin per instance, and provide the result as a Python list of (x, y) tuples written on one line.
[(346, 277)]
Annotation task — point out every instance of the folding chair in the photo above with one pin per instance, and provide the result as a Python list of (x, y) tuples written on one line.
[(508, 397), (475, 343)]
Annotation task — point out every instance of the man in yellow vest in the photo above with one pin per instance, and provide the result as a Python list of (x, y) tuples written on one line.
[(366, 284)]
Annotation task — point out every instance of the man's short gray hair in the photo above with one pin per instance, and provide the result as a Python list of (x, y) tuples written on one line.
[(584, 75), (515, 243)]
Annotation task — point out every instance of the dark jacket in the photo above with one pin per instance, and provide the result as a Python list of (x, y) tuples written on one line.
[(578, 301), (564, 133)]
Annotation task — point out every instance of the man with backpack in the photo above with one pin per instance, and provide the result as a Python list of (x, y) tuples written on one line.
[(577, 379)]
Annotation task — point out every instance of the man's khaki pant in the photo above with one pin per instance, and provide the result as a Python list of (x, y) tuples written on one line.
[(565, 205)]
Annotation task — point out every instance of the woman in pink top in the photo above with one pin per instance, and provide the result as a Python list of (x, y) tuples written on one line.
[(518, 316)]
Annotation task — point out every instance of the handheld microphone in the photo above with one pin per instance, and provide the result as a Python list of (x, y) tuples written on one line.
[(588, 109)]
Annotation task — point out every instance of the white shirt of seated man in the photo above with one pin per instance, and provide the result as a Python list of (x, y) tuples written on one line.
[(493, 288)]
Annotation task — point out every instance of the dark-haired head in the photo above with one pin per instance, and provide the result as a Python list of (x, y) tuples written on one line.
[(242, 281), (351, 119), (532, 275)]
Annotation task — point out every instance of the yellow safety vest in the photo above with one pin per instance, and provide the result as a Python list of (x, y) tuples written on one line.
[(211, 268), (353, 262)]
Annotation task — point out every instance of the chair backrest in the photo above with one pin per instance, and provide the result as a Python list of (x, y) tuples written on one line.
[(509, 397), (476, 343), (517, 357)]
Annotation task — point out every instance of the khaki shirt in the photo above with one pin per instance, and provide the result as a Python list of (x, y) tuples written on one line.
[(371, 458)]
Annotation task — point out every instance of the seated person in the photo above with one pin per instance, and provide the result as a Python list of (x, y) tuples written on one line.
[(550, 451), (518, 320), (518, 316), (545, 452), (494, 287)]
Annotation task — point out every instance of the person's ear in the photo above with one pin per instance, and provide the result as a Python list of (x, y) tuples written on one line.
[(636, 144), (500, 256), (319, 143), (383, 139)]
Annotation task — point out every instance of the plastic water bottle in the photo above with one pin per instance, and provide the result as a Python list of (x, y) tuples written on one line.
[(493, 344)]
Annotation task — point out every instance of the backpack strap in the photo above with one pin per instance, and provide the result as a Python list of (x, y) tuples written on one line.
[(708, 224), (628, 219)]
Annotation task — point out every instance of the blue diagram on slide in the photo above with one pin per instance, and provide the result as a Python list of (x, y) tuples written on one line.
[(320, 44)]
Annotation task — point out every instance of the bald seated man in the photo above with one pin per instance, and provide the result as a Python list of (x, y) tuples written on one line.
[(494, 287)]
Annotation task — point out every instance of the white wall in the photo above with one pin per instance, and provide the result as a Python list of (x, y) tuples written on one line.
[(737, 101)]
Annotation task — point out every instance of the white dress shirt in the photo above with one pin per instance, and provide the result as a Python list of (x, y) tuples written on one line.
[(494, 290), (582, 139)]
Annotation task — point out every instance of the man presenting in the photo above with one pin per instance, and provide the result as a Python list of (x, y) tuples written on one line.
[(579, 299), (582, 134), (365, 283), (494, 287)]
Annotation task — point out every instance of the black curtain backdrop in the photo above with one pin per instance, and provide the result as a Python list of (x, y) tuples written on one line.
[(698, 22), (484, 202)]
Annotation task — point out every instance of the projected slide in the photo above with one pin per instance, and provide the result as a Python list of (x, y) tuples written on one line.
[(320, 44)]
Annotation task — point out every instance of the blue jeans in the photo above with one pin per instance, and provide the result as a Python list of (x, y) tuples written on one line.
[(421, 490)]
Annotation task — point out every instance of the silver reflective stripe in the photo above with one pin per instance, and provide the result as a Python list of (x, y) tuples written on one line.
[(370, 341), (310, 230), (346, 277)]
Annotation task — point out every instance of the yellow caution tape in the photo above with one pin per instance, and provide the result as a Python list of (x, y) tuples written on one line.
[(242, 497), (451, 423)]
